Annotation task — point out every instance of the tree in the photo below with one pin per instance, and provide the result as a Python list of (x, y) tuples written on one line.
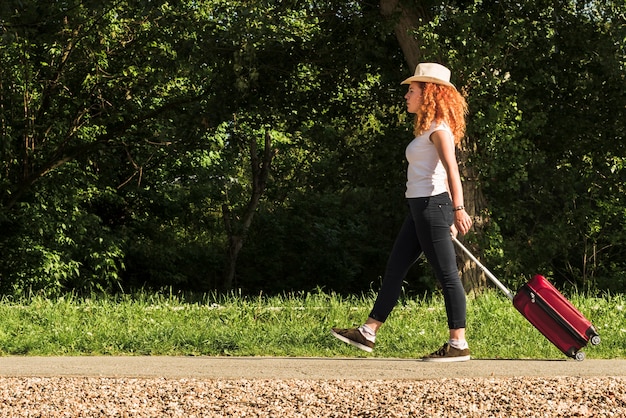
[(409, 17), (260, 169), (544, 83), (87, 86), (130, 93), (126, 134)]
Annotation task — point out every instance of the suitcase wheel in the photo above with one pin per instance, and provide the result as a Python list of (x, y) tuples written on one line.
[(595, 340), (580, 356)]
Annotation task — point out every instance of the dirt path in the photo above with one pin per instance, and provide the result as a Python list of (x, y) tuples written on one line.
[(299, 368)]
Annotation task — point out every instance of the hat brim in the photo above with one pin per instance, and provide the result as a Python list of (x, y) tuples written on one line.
[(426, 79)]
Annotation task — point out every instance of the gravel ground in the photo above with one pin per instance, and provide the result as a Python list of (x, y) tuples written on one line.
[(463, 397)]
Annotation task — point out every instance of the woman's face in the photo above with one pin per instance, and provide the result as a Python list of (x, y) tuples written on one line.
[(413, 97)]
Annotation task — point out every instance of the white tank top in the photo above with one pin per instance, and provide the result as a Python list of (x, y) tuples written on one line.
[(426, 175)]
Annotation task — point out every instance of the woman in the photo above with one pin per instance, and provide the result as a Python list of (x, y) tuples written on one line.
[(436, 210)]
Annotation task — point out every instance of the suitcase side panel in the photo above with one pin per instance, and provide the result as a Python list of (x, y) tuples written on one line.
[(562, 306), (545, 322)]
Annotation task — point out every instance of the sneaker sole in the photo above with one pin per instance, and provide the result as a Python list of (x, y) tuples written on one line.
[(349, 341), (447, 359)]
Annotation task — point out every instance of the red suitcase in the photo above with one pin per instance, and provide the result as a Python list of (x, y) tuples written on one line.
[(555, 317), (549, 311)]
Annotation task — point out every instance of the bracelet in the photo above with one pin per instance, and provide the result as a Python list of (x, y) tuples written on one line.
[(458, 208)]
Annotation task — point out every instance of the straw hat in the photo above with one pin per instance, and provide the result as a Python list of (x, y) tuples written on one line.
[(430, 72)]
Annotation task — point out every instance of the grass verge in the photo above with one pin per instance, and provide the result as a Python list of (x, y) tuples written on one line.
[(296, 325)]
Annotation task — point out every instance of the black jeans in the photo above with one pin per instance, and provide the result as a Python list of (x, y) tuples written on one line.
[(426, 229)]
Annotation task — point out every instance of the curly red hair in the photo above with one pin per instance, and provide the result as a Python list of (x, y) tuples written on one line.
[(441, 104)]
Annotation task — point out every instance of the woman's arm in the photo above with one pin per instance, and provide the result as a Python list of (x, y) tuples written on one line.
[(445, 148)]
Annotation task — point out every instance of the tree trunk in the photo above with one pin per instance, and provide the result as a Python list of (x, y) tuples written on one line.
[(237, 230), (407, 19), (475, 204)]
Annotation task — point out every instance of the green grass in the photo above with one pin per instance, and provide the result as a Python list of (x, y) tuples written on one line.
[(282, 326)]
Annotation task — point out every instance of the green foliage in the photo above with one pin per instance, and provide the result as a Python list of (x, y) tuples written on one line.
[(87, 94), (124, 129), (545, 83)]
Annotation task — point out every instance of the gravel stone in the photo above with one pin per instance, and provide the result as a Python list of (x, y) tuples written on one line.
[(53, 397)]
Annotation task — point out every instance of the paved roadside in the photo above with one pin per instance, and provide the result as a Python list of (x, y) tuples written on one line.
[(234, 368)]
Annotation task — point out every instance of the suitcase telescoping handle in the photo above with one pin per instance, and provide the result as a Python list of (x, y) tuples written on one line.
[(493, 278)]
